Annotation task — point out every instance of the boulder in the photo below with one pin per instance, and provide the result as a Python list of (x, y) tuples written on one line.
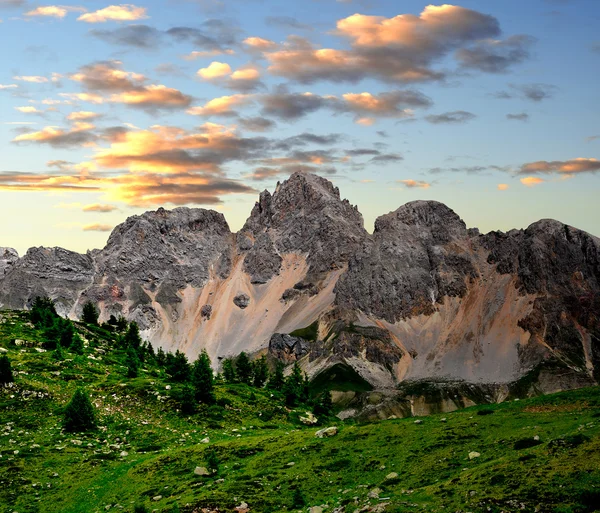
[(201, 471), (241, 301), (326, 432)]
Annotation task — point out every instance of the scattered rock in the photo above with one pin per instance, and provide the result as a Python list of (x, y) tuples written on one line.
[(473, 455), (241, 300), (391, 475), (157, 497), (418, 421), (124, 454), (206, 311), (315, 509), (201, 471), (309, 419), (290, 464), (325, 432), (205, 440), (374, 493)]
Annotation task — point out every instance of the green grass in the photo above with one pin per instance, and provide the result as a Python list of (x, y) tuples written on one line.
[(255, 439)]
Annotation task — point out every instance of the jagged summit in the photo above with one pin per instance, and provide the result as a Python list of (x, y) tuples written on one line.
[(431, 298)]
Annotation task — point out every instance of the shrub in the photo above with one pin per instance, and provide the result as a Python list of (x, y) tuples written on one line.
[(6, 375), (90, 313), (79, 413), (212, 461)]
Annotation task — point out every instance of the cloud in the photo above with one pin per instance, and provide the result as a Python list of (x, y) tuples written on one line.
[(97, 227), (531, 181), (12, 3), (503, 186), (35, 79), (256, 124), (455, 117), (8, 86), (564, 167), (287, 22), (592, 138), (495, 56), (107, 76), (212, 35), (222, 106), (268, 173), (54, 11), (98, 208), (365, 106), (123, 12), (532, 92), (82, 115), (84, 97), (523, 116), (387, 158), (126, 87), (79, 135), (153, 97), (411, 184), (29, 109), (137, 36), (259, 44), (214, 70), (402, 49)]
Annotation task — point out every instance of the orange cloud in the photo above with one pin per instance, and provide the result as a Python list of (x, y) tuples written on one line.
[(246, 74), (97, 227), (503, 186), (98, 208), (29, 110), (214, 70), (54, 11), (153, 96), (123, 12), (260, 43), (573, 166), (414, 184), (82, 115), (222, 106), (79, 135), (35, 79), (531, 181), (85, 97)]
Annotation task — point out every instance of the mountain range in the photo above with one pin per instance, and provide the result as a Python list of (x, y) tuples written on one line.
[(423, 297)]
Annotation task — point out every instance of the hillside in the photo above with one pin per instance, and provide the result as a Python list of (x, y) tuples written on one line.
[(540, 454)]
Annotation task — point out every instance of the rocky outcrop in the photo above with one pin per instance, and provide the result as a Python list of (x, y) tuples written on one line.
[(422, 297)]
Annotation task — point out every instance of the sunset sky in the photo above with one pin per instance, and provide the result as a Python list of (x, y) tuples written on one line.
[(490, 106)]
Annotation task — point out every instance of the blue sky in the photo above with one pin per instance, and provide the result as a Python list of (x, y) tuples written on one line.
[(107, 110)]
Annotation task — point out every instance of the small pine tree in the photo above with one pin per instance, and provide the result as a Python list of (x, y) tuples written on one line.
[(121, 324), (160, 357), (243, 368), (277, 379), (79, 413), (260, 372), (132, 337), (178, 367), (298, 500), (58, 354), (187, 401), (132, 362), (229, 371), (66, 335), (212, 461), (293, 387), (90, 313), (77, 344), (6, 375), (43, 313), (323, 406), (203, 379)]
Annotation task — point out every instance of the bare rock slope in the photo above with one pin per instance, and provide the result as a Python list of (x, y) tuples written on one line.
[(421, 298)]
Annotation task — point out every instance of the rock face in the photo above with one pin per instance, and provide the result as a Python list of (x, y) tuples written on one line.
[(423, 297)]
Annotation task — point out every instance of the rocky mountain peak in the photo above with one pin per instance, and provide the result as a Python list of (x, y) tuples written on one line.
[(8, 257)]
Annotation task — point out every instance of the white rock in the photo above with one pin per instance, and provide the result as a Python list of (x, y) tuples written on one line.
[(473, 455), (201, 471), (330, 431)]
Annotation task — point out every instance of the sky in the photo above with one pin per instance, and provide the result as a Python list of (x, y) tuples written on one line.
[(109, 110)]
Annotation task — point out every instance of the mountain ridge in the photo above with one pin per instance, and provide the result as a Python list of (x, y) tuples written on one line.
[(455, 303)]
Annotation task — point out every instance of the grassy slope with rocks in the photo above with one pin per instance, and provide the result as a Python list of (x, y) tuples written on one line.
[(144, 452)]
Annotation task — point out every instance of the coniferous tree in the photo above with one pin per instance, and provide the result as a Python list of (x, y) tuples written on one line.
[(79, 413), (66, 335), (212, 461), (132, 362), (6, 375), (187, 401), (243, 368), (90, 313), (203, 379), (323, 406), (132, 337), (277, 379), (77, 344), (58, 354), (260, 372), (43, 313), (294, 386), (229, 371), (160, 357), (178, 367), (121, 324)]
